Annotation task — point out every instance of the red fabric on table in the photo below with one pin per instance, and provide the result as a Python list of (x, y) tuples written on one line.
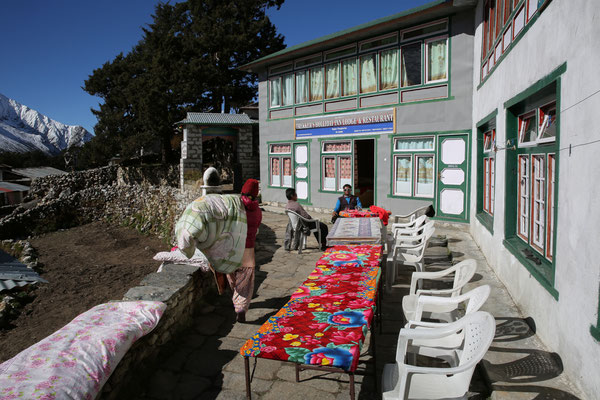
[(384, 214)]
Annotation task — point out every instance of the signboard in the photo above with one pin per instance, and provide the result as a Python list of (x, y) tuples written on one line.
[(372, 122)]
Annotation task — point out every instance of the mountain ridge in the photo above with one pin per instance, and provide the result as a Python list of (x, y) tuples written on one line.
[(23, 129)]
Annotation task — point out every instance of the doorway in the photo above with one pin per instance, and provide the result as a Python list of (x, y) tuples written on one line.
[(364, 171)]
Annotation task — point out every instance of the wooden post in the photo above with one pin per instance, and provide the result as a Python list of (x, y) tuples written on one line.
[(247, 371)]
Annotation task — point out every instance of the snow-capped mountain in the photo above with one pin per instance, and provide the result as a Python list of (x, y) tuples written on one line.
[(23, 129)]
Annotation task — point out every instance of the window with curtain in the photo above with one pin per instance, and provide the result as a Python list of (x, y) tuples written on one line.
[(349, 74), (287, 171), (275, 92), (388, 73), (411, 64), (424, 178), (301, 87), (436, 60), (419, 143), (275, 172), (288, 90), (403, 175), (368, 73), (332, 81), (328, 173), (316, 84), (345, 168)]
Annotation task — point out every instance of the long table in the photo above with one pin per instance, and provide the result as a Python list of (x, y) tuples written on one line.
[(346, 231), (325, 323)]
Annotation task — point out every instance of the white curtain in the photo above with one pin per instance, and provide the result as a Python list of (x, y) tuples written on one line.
[(316, 84), (275, 92), (389, 69), (436, 60), (403, 175), (301, 87), (349, 77), (414, 144), (332, 80), (368, 75), (288, 90)]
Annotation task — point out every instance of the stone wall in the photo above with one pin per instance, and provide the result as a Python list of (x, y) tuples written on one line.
[(124, 196), (182, 288), (248, 161)]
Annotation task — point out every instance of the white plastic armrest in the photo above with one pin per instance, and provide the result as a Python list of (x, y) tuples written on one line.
[(424, 324), (418, 276), (437, 301), (421, 292), (437, 333), (435, 371)]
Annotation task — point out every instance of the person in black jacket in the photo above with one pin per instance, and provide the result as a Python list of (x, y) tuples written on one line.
[(346, 202)]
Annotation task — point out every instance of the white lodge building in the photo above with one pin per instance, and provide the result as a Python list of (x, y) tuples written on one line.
[(483, 108)]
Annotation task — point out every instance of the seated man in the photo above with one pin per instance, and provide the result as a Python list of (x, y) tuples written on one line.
[(346, 202), (294, 206)]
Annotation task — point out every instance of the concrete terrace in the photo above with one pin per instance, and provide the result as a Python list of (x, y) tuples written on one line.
[(204, 362)]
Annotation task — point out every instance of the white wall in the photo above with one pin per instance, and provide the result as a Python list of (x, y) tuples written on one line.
[(566, 31)]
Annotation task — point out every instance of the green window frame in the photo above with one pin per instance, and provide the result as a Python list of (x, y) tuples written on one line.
[(413, 166), (486, 171), (280, 161), (531, 180), (336, 157)]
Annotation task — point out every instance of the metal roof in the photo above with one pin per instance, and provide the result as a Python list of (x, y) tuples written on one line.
[(39, 172), (433, 9), (217, 119), (12, 187), (16, 274)]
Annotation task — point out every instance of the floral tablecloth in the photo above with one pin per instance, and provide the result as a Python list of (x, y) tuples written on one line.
[(327, 319), (358, 214)]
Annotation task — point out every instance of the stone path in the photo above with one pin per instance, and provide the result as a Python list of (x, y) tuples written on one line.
[(204, 362)]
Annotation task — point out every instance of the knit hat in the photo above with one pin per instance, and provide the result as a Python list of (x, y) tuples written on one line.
[(250, 188)]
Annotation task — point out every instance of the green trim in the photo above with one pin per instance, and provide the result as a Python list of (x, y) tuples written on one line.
[(542, 83), (513, 43), (513, 246), (545, 271), (342, 33), (487, 118), (595, 330), (350, 110), (486, 220)]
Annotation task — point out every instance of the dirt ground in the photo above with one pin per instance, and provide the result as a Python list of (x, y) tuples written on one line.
[(85, 266)]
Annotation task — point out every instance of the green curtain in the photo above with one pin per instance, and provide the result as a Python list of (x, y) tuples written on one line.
[(288, 90), (332, 81), (275, 92), (349, 77), (389, 69), (437, 60), (316, 84), (301, 87), (368, 76)]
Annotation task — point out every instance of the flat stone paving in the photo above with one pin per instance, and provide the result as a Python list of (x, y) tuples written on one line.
[(204, 362)]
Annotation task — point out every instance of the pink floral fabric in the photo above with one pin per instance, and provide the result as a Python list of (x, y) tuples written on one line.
[(75, 361)]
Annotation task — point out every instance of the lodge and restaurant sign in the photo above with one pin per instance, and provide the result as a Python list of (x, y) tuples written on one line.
[(372, 122)]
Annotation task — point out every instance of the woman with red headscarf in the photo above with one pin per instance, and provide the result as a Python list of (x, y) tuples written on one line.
[(242, 280)]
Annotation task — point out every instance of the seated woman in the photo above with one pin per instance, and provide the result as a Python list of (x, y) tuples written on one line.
[(346, 202)]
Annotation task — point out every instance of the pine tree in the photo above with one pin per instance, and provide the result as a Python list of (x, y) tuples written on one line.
[(187, 60)]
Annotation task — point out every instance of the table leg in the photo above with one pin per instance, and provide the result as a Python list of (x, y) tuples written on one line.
[(247, 371), (374, 349), (297, 373), (351, 375)]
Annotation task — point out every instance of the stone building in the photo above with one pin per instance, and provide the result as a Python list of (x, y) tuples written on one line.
[(229, 142)]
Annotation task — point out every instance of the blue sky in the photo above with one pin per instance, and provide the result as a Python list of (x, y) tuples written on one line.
[(50, 47)]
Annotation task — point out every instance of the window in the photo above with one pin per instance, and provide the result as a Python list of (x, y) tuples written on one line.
[(378, 42), (316, 84), (368, 73), (349, 73), (275, 91), (411, 64), (538, 126), (437, 62), (527, 128), (308, 61), (343, 52), (531, 8), (336, 165), (538, 201), (280, 165), (547, 123), (288, 90), (332, 81), (489, 166), (413, 170), (523, 197), (301, 87), (388, 69), (425, 30), (550, 208)]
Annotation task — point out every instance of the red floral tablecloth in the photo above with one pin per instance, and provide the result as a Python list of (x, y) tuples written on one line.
[(327, 319), (358, 214)]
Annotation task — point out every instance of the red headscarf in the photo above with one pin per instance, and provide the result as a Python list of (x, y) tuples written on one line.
[(250, 188)]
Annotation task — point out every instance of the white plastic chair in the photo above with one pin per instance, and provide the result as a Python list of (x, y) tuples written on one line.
[(463, 272), (399, 218), (408, 251), (404, 381), (298, 222)]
